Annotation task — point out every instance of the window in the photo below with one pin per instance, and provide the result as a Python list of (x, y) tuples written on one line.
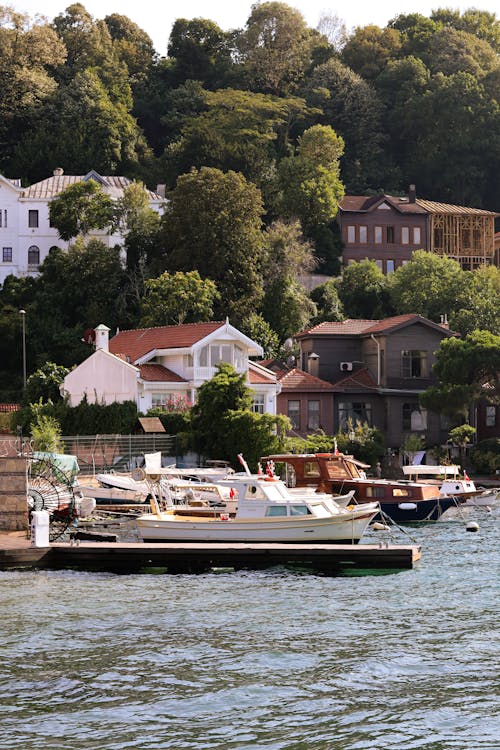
[(363, 235), (405, 235), (299, 510), (414, 418), (491, 416), (389, 266), (378, 235), (351, 234), (258, 403), (380, 264), (0, 219), (311, 469), (417, 239), (33, 256), (276, 510), (293, 412), (32, 219), (161, 400), (211, 355), (4, 223), (7, 254), (390, 234), (354, 411), (413, 363), (313, 415)]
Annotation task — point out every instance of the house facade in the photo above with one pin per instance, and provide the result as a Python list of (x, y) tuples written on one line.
[(26, 235), (305, 399), (388, 230), (377, 369), (160, 367)]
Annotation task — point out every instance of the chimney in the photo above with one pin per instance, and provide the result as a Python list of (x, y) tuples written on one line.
[(58, 172), (102, 337), (313, 364), (161, 190), (444, 321), (412, 194)]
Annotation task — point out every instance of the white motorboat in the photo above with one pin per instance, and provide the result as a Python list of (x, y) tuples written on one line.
[(452, 484), (265, 512)]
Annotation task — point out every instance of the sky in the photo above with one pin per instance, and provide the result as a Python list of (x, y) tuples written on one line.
[(157, 16)]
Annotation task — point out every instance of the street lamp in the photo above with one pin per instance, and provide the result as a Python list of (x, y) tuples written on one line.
[(22, 313)]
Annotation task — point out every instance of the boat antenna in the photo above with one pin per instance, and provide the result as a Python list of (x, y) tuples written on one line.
[(243, 463)]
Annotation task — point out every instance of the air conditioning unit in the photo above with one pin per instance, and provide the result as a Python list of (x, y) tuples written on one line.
[(346, 366)]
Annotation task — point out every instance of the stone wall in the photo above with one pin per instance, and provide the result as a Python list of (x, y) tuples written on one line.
[(13, 494)]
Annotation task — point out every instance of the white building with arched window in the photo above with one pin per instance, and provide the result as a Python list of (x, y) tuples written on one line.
[(26, 235)]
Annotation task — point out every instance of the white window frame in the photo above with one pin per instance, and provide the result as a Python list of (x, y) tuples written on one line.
[(405, 235), (417, 236), (259, 403), (351, 234), (363, 234), (378, 234)]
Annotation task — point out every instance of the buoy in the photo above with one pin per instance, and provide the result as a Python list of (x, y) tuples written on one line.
[(377, 526), (472, 526)]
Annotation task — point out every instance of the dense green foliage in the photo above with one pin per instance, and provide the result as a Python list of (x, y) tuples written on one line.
[(84, 419), (256, 133)]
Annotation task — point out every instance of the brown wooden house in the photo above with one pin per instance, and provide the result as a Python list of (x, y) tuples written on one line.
[(377, 369), (389, 229)]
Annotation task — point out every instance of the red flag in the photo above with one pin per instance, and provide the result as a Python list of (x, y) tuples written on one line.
[(466, 477)]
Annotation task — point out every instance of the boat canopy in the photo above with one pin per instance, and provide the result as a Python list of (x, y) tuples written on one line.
[(438, 471)]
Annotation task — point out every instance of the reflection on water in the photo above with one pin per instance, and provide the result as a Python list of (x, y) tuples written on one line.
[(276, 659)]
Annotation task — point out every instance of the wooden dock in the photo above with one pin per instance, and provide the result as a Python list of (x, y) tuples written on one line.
[(177, 557)]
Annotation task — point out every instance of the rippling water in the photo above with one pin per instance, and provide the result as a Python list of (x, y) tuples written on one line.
[(275, 659)]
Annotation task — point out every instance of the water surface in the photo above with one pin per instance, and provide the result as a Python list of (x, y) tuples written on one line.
[(276, 659)]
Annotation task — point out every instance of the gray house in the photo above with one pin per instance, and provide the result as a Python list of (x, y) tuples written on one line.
[(378, 369)]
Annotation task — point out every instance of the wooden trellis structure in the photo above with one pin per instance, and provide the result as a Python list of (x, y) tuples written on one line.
[(465, 236)]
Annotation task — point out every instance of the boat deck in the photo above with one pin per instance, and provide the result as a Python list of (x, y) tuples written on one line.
[(16, 552)]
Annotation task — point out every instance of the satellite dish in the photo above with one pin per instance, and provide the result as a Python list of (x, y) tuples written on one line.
[(291, 360), (288, 344)]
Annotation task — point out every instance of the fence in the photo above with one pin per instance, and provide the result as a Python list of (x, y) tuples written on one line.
[(118, 452)]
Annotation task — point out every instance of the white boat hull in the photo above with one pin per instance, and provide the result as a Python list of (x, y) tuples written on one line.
[(165, 527)]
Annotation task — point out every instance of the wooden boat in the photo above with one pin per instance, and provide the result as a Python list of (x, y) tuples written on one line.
[(265, 512), (403, 501)]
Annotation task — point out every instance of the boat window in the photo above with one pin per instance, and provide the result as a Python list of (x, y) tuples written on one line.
[(299, 510), (254, 493), (400, 492), (337, 470), (311, 469), (276, 510), (375, 491)]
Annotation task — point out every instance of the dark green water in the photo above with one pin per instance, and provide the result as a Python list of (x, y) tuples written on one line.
[(272, 659)]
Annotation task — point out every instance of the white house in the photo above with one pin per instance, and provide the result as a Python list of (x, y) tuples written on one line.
[(25, 232), (155, 366)]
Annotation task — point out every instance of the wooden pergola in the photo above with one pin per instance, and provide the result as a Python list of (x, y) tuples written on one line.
[(464, 235)]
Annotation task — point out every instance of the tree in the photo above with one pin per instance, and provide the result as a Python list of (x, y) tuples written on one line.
[(90, 124), (212, 224), (76, 290), (276, 48), (202, 52), (363, 291), (352, 107), (467, 369), (222, 423), (43, 385), (327, 301), (29, 49), (429, 285), (80, 208), (258, 329), (479, 306), (235, 130), (310, 180), (369, 49), (172, 299), (131, 45)]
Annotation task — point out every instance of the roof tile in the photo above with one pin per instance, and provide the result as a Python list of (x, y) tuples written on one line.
[(155, 373), (298, 380), (135, 343)]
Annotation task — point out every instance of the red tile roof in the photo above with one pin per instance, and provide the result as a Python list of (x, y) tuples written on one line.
[(258, 373), (159, 374), (333, 328), (138, 342), (298, 380), (365, 203), (359, 379), (353, 327)]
